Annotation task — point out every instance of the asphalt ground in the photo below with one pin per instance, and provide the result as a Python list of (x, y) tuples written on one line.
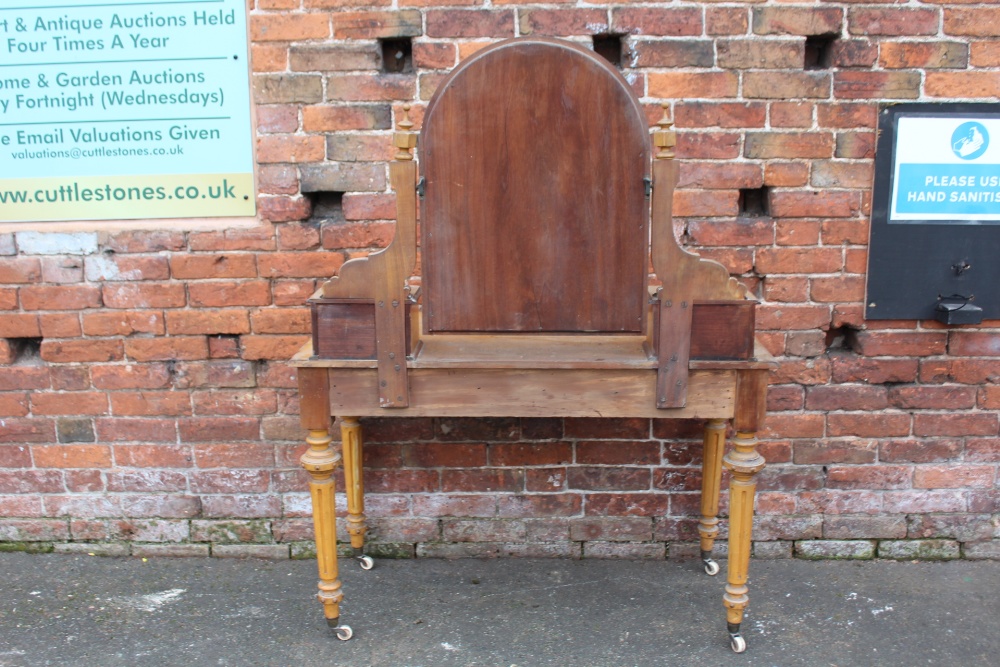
[(86, 611)]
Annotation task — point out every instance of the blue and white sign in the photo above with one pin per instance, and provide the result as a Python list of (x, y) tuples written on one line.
[(947, 169)]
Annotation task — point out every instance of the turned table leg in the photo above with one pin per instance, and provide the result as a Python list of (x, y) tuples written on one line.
[(744, 463), (711, 481), (320, 461), (350, 433)]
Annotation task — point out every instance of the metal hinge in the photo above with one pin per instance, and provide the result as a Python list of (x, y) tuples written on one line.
[(421, 187), (648, 184)]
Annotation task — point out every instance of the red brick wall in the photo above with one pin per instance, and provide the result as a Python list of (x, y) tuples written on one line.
[(145, 404)]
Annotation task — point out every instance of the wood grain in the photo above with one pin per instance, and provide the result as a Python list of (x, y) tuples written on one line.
[(535, 217)]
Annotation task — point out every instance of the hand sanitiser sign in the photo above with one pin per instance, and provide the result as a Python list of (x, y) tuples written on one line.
[(124, 109), (946, 169)]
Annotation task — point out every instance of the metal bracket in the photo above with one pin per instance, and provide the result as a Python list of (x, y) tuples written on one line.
[(648, 185), (421, 186)]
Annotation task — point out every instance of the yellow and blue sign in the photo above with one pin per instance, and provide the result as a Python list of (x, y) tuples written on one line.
[(124, 109), (947, 169)]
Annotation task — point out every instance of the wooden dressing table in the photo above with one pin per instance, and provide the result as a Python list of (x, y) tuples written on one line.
[(541, 214)]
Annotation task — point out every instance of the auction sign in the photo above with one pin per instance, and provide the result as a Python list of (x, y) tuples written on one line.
[(124, 109)]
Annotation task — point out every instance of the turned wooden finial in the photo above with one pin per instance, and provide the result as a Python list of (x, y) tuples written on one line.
[(664, 137), (404, 139)]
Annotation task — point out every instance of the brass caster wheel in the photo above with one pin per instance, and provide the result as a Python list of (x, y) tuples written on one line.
[(366, 562), (711, 567), (344, 632), (737, 643)]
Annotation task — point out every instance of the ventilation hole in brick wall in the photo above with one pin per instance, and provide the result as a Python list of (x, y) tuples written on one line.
[(818, 48), (841, 338), (609, 47), (397, 55), (327, 206), (753, 202), (26, 351)]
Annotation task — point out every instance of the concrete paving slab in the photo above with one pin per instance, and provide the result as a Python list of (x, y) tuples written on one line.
[(105, 612)]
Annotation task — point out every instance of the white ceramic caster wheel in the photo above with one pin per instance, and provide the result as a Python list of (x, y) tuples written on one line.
[(366, 562), (344, 632), (738, 643), (711, 568)]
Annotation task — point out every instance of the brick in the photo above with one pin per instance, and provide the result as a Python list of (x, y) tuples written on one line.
[(955, 424), (150, 403), (611, 529), (791, 114), (709, 203), (20, 325), (922, 501), (259, 237), (899, 344), (934, 55), (434, 55), (146, 241), (847, 115), (286, 27), (482, 530), (484, 479), (286, 88), (278, 179), (60, 325), (543, 505), (740, 232), (101, 268), (234, 402), (846, 397), (870, 477), (853, 53), (284, 209), (224, 293), (596, 478), (875, 527), (562, 22), (982, 550), (789, 145), (920, 451), (784, 20), (469, 23), (923, 397), (787, 527), (657, 22), (919, 549), (877, 425), (131, 376), (190, 322), (757, 54), (785, 174), (343, 176), (985, 54), (835, 549), (798, 260), (673, 53), (852, 450), (135, 430), (377, 24), (290, 148), (837, 289), (61, 297), (19, 270), (708, 145), (72, 456), (838, 174), (334, 119), (972, 21), (712, 175), (974, 344), (877, 85), (271, 347), (33, 530), (225, 429), (697, 85), (359, 148), (892, 22), (276, 119), (333, 57), (530, 454), (195, 267), (166, 349), (962, 527), (855, 145), (719, 114), (966, 371), (814, 203), (89, 350), (62, 269), (300, 265), (145, 295), (726, 20), (370, 87)]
